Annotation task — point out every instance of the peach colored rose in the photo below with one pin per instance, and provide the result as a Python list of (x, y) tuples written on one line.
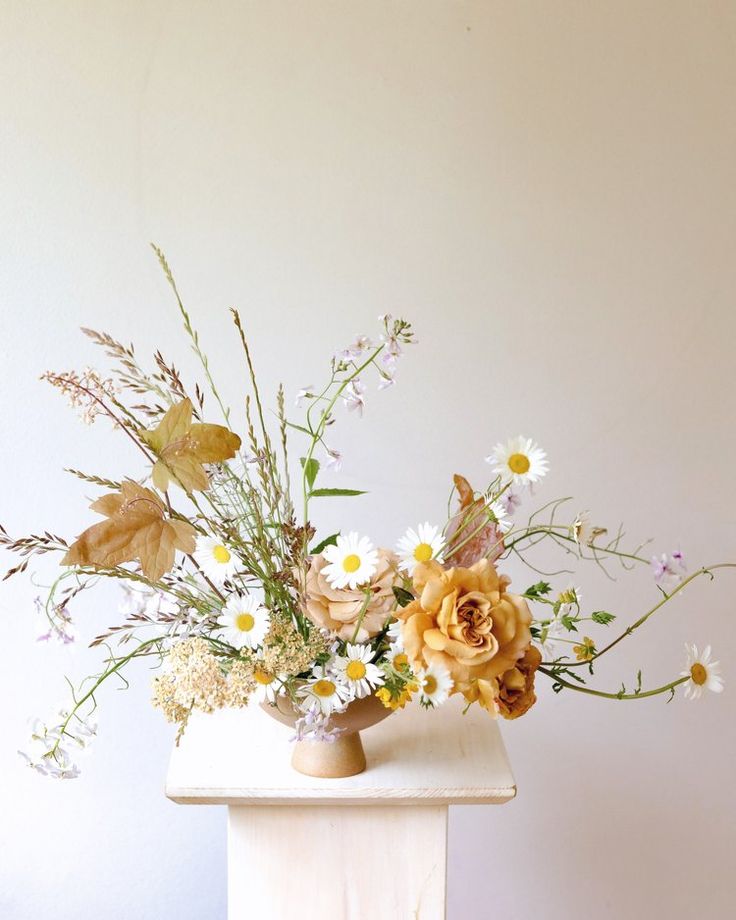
[(516, 694), (339, 610), (464, 619)]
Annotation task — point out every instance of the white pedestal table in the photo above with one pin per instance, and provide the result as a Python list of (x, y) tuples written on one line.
[(367, 847)]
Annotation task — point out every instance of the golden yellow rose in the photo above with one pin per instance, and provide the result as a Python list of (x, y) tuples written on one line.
[(464, 619), (339, 609), (516, 694)]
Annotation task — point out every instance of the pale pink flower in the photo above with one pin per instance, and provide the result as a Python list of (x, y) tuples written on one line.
[(668, 570), (353, 396)]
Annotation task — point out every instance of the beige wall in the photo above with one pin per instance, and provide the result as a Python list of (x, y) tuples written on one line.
[(549, 191)]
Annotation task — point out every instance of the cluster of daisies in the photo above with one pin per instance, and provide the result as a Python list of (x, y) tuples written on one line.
[(351, 670)]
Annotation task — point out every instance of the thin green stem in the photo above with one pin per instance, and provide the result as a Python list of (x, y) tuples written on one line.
[(108, 672), (706, 570), (323, 421), (642, 694)]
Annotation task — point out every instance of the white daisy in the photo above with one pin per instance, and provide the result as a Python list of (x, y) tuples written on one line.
[(323, 693), (419, 545), (435, 685), (351, 562), (357, 670), (396, 657), (394, 633), (519, 459), (583, 532), (703, 673), (268, 686), (500, 513), (215, 559), (244, 621)]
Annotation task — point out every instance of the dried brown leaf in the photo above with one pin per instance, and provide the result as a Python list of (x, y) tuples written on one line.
[(183, 448), (136, 529)]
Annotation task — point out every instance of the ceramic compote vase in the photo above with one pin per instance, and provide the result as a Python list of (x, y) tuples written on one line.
[(332, 759)]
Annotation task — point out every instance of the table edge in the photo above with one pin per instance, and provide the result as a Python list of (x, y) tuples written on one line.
[(244, 797)]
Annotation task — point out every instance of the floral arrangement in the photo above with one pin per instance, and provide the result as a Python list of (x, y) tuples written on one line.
[(228, 586)]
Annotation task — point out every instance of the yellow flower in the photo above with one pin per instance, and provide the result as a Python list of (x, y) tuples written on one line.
[(404, 697), (586, 650)]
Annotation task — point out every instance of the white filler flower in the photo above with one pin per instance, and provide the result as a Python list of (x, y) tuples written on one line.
[(519, 459), (704, 674), (419, 545), (357, 671), (244, 622), (352, 561), (215, 559)]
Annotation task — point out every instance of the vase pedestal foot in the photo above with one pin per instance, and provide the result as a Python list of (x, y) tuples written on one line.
[(330, 759)]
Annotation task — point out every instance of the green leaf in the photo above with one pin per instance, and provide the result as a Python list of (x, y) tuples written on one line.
[(602, 617), (569, 623), (311, 468), (328, 541), (325, 493), (538, 590), (403, 597), (301, 428)]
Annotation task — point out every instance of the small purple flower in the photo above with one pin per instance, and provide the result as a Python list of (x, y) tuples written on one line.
[(335, 461), (315, 726), (353, 396), (668, 570), (510, 500)]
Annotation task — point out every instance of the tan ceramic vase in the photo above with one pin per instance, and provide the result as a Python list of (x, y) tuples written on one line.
[(332, 759)]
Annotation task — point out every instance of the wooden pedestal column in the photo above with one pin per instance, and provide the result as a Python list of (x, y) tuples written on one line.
[(368, 847)]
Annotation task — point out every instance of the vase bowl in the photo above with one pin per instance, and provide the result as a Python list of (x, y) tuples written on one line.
[(331, 759)]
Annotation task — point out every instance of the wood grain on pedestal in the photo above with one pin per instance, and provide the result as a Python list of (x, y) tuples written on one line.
[(329, 862), (241, 757)]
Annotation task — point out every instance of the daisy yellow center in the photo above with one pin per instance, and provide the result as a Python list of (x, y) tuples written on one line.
[(519, 464), (245, 622), (430, 684), (221, 554), (261, 677), (401, 660), (323, 688), (698, 674), (351, 563), (423, 552), (355, 670)]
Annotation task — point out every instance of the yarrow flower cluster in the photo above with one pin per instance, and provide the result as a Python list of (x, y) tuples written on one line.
[(232, 591)]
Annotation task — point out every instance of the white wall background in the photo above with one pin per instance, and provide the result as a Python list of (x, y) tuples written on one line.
[(548, 190)]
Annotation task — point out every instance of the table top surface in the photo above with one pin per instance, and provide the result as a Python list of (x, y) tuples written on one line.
[(416, 756)]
